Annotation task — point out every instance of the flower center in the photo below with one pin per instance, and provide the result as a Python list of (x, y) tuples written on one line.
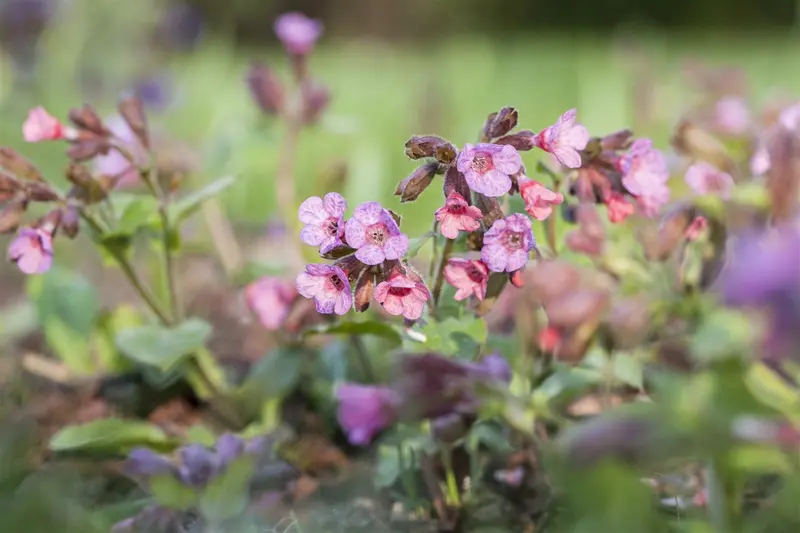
[(377, 234), (331, 227), (514, 240), (482, 163), (474, 274), (336, 282), (400, 292)]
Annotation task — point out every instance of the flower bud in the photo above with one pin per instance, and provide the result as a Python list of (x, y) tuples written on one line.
[(12, 214), (39, 191), (351, 266), (551, 279), (79, 175), (18, 166), (522, 141), (420, 146), (500, 123), (455, 182), (198, 465), (50, 222), (517, 278), (696, 143), (316, 98), (70, 221), (8, 187), (364, 290), (265, 88), (492, 211), (446, 153), (132, 111), (415, 184), (86, 118), (144, 462), (576, 308), (85, 149)]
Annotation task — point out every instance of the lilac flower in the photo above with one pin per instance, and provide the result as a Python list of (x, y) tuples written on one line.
[(644, 169), (487, 167), (457, 215), (324, 219), (114, 163), (705, 178), (198, 465), (365, 410), (565, 139), (144, 462), (32, 250), (539, 200), (493, 367), (270, 299), (507, 244), (731, 115), (375, 235), (402, 294), (297, 32), (328, 286), (229, 447), (468, 277)]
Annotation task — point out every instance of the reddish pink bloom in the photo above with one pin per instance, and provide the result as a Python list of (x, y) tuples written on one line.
[(549, 338), (487, 167), (618, 207), (507, 243), (705, 178), (42, 126), (402, 295), (457, 215), (565, 139), (644, 169), (469, 277), (732, 116), (297, 32), (696, 228), (328, 286), (270, 299), (539, 200), (32, 250)]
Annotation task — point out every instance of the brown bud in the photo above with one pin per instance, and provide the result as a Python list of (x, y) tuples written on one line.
[(490, 207), (8, 187), (316, 98), (266, 88), (783, 180), (446, 153), (18, 165), (79, 175), (85, 149), (363, 292), (338, 252), (696, 143), (70, 221), (351, 266), (132, 110), (415, 184), (455, 182), (12, 214), (500, 123), (522, 141), (618, 140), (659, 243), (86, 118), (50, 222), (420, 146), (39, 191)]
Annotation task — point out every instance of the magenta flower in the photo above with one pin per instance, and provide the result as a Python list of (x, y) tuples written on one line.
[(731, 115), (507, 243), (644, 169), (42, 126), (375, 235), (487, 167), (328, 286), (457, 215), (402, 295), (469, 277), (365, 410), (297, 32), (565, 139), (114, 163), (270, 299), (324, 220), (539, 200), (705, 178), (32, 250)]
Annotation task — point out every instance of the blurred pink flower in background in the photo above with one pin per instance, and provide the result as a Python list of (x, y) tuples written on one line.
[(564, 139), (42, 126), (270, 298), (32, 250), (114, 164), (705, 178), (297, 32)]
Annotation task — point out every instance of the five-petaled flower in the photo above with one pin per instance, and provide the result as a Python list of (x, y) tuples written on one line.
[(324, 220), (565, 139), (375, 235), (365, 410), (457, 215), (507, 243), (32, 250), (488, 167), (539, 200), (705, 178), (297, 32), (402, 294), (328, 286), (270, 299), (42, 126), (645, 174), (469, 277)]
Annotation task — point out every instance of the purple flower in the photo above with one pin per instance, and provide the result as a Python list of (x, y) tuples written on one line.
[(705, 178), (198, 465), (365, 410), (297, 32), (507, 243), (270, 299), (114, 163), (145, 462), (565, 139), (487, 167), (32, 250), (328, 286), (229, 447), (375, 235), (493, 367), (402, 294), (324, 220)]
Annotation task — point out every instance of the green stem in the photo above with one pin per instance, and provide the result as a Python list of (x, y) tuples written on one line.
[(437, 287), (453, 493), (363, 358), (724, 500)]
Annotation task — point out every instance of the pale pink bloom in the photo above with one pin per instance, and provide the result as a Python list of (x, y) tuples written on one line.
[(652, 202), (705, 178), (565, 139), (696, 228), (365, 410), (324, 220), (507, 243), (270, 298), (731, 115), (760, 162), (328, 286), (375, 235), (539, 200), (644, 169), (297, 32), (113, 163), (470, 277), (32, 250), (42, 126), (402, 295), (618, 207), (457, 215), (488, 167), (789, 117)]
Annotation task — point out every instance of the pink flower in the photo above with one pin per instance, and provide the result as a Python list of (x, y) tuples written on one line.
[(270, 299), (297, 32), (549, 339), (469, 277), (457, 215), (32, 250), (564, 139), (375, 235), (732, 116), (696, 228), (507, 243), (487, 167), (652, 202), (328, 286), (324, 219), (42, 126), (402, 295), (114, 163), (644, 169), (618, 207), (539, 200), (760, 162), (789, 117), (365, 410), (705, 178)]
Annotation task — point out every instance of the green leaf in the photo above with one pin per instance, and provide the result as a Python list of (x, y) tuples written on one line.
[(190, 203), (723, 334), (161, 347), (488, 434), (463, 338), (759, 460), (274, 376), (108, 325), (110, 435), (772, 390), (415, 245), (388, 469), (228, 494), (367, 327), (169, 492), (207, 370)]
